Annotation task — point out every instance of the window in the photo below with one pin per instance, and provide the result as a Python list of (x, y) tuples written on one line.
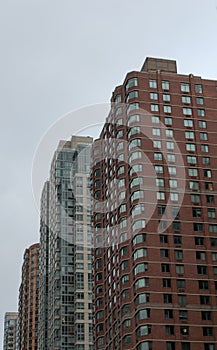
[(198, 88), (165, 85), (178, 254), (143, 330), (182, 299), (164, 253), (132, 94), (155, 119), (209, 186), (155, 131), (201, 270), (139, 253), (138, 224), (142, 267), (199, 240), (200, 112), (160, 182), (210, 199), (183, 314), (205, 148), (166, 283), (190, 147), (185, 87), (209, 346), (131, 82), (126, 324), (171, 158), (166, 97), (199, 100), (169, 330), (170, 145), (173, 183), (192, 172), (187, 111), (204, 299), (174, 196), (211, 213), (184, 330), (167, 109), (161, 195), (153, 83), (205, 160), (157, 144), (141, 283), (158, 156), (186, 346), (206, 315), (134, 143), (213, 228), (161, 209), (145, 345), (203, 136), (196, 212), (168, 120), (186, 99), (177, 240), (176, 225), (133, 119), (179, 269), (200, 255), (214, 256), (169, 132), (188, 123), (158, 169), (213, 242), (198, 226), (170, 345), (207, 331), (189, 134), (180, 284), (154, 107), (168, 313), (194, 185), (195, 198), (191, 159), (142, 298), (140, 238), (203, 284), (163, 239), (165, 267), (153, 96), (167, 298), (202, 124), (207, 173)]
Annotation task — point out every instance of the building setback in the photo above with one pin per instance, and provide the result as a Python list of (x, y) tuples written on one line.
[(28, 300), (66, 259), (154, 181), (10, 331)]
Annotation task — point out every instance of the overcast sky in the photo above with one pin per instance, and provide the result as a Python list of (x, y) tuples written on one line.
[(60, 55)]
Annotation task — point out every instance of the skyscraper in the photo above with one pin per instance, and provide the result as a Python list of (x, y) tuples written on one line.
[(10, 331), (43, 310), (154, 182), (28, 300), (66, 259)]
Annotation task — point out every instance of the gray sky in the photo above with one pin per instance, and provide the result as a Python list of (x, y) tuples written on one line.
[(60, 55)]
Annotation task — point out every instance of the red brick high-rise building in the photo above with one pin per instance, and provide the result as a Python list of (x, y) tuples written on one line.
[(154, 181), (28, 300)]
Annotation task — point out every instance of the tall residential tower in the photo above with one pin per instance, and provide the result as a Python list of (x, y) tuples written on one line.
[(154, 182), (28, 300), (10, 331), (66, 259)]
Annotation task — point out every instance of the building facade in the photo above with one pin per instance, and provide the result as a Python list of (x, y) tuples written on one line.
[(154, 183), (66, 238), (43, 310), (28, 300), (10, 331)]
